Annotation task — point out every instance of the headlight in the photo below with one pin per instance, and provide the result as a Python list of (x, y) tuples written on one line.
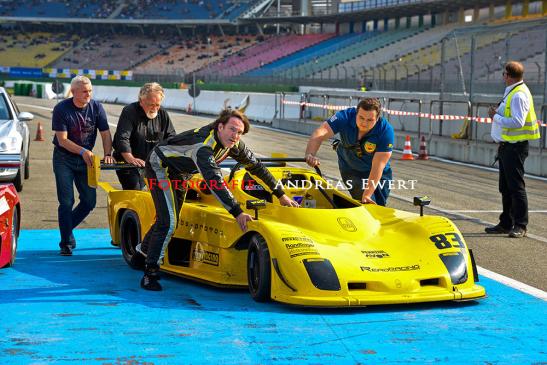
[(10, 145)]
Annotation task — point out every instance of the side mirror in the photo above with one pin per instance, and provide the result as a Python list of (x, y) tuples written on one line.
[(422, 201), (25, 116), (256, 205)]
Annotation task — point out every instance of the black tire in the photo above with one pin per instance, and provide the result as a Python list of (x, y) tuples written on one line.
[(18, 181), (27, 168), (130, 237), (259, 271), (14, 236)]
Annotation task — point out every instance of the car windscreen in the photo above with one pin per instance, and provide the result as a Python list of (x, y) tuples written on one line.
[(5, 112)]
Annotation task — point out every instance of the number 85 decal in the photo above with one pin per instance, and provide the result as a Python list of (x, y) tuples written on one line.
[(447, 240)]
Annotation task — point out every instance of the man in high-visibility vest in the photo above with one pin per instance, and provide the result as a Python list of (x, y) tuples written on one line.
[(514, 123)]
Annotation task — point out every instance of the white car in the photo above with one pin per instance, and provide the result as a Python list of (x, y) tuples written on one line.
[(14, 142)]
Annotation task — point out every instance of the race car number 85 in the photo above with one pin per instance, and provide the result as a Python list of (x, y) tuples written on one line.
[(447, 240)]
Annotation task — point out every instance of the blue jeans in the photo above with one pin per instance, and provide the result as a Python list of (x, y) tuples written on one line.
[(70, 170)]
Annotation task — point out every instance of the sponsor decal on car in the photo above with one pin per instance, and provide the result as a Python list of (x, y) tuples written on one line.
[(207, 257), (379, 254), (391, 269), (299, 246), (201, 227), (346, 224)]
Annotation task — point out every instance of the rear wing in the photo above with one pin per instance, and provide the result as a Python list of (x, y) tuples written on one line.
[(94, 172)]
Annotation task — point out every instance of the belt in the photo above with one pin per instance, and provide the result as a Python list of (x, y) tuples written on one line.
[(513, 143)]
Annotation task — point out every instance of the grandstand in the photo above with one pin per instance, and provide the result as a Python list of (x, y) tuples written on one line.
[(195, 53), (36, 49), (382, 43)]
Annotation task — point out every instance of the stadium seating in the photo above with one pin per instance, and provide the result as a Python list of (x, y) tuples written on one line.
[(58, 9), (33, 49), (194, 54), (389, 52), (265, 52), (113, 52), (489, 53), (310, 54), (349, 52)]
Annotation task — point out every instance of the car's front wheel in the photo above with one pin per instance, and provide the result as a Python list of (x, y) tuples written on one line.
[(130, 237), (259, 271), (14, 236)]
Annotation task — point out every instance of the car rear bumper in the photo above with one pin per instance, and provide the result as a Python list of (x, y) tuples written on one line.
[(10, 164)]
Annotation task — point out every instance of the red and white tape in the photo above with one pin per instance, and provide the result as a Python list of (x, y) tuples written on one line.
[(402, 113)]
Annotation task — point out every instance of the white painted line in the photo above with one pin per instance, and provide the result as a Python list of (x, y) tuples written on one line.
[(466, 217), (538, 293), (489, 211), (35, 106)]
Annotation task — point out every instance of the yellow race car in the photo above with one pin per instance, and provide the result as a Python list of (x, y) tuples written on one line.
[(331, 252)]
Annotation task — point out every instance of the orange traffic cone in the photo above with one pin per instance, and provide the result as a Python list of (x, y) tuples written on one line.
[(39, 133), (407, 151), (423, 150)]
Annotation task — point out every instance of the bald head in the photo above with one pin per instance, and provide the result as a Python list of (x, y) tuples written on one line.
[(514, 70)]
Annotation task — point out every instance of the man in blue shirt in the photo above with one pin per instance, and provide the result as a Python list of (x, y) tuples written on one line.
[(364, 150), (75, 122)]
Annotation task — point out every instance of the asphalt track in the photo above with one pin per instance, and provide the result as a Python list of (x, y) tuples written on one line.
[(89, 307)]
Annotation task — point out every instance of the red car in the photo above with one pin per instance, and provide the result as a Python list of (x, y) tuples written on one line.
[(10, 221)]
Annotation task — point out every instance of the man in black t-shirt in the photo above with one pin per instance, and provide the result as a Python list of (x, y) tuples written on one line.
[(142, 125)]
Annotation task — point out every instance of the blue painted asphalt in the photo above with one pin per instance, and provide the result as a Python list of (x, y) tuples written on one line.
[(89, 308)]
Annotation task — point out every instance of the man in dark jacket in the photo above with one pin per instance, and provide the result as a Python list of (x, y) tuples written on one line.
[(199, 150), (142, 125)]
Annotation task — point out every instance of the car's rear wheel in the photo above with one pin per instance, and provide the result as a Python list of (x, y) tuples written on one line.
[(18, 181), (130, 237), (259, 273), (14, 236)]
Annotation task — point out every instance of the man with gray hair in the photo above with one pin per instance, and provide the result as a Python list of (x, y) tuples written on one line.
[(142, 125), (75, 122)]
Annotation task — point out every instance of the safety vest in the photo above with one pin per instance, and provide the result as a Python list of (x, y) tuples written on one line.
[(530, 129)]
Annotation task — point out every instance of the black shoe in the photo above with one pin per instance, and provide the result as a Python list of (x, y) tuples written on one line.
[(497, 229), (517, 232), (150, 279), (66, 251)]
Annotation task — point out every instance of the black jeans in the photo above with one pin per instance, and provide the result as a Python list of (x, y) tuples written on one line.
[(511, 184), (130, 179)]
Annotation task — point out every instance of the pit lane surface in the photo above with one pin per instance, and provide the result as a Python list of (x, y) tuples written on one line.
[(467, 195), (88, 309)]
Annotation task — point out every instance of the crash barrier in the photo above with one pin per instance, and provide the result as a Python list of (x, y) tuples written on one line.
[(261, 107), (402, 112)]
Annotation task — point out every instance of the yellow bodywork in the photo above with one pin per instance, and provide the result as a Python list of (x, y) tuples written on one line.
[(379, 255)]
